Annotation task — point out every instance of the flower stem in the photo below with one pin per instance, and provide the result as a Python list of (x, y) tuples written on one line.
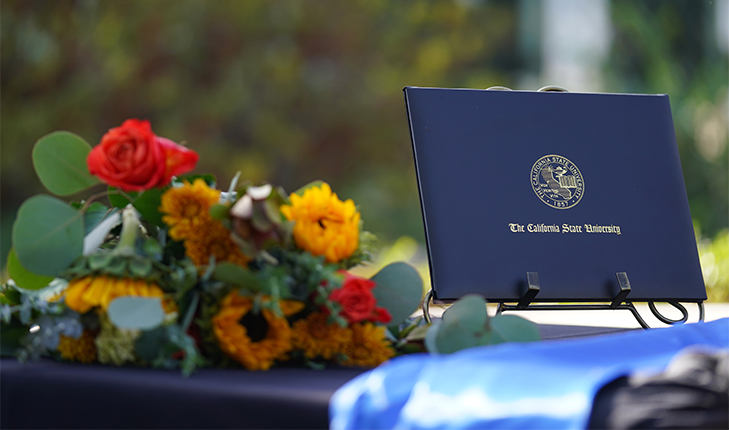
[(128, 236)]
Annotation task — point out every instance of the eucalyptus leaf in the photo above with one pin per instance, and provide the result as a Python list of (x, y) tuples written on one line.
[(48, 235), (431, 336), (131, 312), (24, 278), (464, 325), (150, 343), (312, 184), (59, 160), (513, 328), (236, 275), (94, 214), (399, 289)]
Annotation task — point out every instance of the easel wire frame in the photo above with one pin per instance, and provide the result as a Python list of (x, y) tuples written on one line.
[(628, 305), (618, 302)]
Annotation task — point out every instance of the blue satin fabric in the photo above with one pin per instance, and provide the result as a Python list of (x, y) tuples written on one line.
[(541, 385)]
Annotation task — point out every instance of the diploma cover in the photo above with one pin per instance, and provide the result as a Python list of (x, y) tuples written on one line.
[(573, 186)]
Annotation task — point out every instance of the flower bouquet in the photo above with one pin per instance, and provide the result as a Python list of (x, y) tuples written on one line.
[(171, 272)]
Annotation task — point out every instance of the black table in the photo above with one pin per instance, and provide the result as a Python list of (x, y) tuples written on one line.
[(49, 394)]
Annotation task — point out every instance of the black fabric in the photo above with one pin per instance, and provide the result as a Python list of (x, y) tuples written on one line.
[(49, 394), (692, 393)]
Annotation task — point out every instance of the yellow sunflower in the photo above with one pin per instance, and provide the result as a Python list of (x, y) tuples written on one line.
[(88, 292), (82, 349), (256, 341), (317, 338), (324, 225), (369, 346), (188, 208)]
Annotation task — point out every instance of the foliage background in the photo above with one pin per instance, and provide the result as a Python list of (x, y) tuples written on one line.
[(291, 91)]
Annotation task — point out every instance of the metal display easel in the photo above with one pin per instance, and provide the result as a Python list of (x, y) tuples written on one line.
[(620, 301)]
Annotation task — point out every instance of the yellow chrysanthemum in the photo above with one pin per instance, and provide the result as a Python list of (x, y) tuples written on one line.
[(212, 238), (235, 340), (188, 208), (85, 293), (324, 225), (317, 338), (369, 346), (82, 349), (188, 215)]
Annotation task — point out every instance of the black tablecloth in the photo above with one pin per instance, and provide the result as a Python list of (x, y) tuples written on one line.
[(48, 394)]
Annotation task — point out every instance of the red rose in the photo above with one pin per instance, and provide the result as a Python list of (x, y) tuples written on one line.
[(133, 158), (357, 301)]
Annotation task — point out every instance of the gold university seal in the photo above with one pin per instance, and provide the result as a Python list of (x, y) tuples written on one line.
[(557, 181)]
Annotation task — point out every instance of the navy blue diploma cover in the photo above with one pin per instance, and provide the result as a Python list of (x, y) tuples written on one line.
[(573, 186)]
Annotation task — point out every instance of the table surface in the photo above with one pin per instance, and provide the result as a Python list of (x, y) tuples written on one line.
[(49, 394)]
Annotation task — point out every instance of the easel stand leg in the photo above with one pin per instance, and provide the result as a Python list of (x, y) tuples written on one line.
[(619, 302)]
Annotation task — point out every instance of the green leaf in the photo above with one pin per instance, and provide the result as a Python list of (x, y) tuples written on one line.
[(236, 275), (140, 267), (312, 184), (431, 337), (209, 179), (271, 208), (399, 289), (260, 219), (95, 213), (513, 328), (131, 312), (148, 203), (100, 260), (117, 266), (219, 212), (119, 201), (9, 295), (150, 344), (48, 235), (11, 340), (59, 159), (23, 277), (464, 325)]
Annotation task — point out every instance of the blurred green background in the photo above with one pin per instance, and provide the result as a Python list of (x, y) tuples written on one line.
[(292, 91)]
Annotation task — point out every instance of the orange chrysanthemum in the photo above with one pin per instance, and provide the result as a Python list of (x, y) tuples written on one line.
[(85, 293), (324, 225), (237, 342), (187, 210), (82, 349), (369, 346), (317, 338), (213, 239)]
